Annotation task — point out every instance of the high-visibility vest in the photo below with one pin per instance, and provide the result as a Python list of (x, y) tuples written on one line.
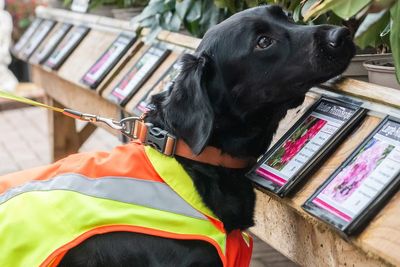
[(46, 211)]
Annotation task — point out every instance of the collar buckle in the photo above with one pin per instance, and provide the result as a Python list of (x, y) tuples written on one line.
[(160, 140)]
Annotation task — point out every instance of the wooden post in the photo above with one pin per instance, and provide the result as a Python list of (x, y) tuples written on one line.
[(64, 139)]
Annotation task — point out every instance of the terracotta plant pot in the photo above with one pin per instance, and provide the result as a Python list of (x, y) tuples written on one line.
[(382, 72), (356, 69)]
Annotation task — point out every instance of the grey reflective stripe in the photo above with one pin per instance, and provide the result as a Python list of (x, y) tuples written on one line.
[(129, 190)]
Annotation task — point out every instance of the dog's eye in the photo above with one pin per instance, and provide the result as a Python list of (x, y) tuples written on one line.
[(264, 42)]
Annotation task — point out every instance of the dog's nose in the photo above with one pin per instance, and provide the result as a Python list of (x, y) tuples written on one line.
[(337, 36)]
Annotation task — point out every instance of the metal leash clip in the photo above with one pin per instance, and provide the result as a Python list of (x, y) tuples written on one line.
[(134, 128), (126, 126)]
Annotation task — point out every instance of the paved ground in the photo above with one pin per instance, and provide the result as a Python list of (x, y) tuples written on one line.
[(24, 144)]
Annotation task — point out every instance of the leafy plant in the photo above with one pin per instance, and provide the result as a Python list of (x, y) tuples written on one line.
[(380, 25), (196, 16)]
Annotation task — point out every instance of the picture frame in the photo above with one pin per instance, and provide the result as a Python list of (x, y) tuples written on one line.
[(26, 36), (104, 64), (38, 36), (138, 74), (362, 184), (305, 145), (164, 83), (45, 50), (66, 47)]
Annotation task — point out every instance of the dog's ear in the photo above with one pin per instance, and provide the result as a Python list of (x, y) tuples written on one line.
[(188, 110)]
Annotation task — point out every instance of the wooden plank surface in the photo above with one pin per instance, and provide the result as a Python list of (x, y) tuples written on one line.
[(369, 91)]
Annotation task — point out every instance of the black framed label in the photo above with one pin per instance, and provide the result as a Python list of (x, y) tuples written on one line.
[(138, 74), (27, 35), (307, 143), (163, 84), (45, 51), (37, 37), (66, 47), (108, 59), (360, 186)]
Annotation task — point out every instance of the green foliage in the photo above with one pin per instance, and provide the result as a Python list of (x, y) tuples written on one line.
[(395, 36), (196, 16), (369, 31), (343, 8)]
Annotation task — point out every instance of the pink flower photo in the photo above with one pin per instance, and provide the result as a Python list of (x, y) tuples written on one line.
[(300, 137), (352, 176)]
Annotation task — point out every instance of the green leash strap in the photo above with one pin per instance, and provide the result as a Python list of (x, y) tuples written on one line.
[(10, 96)]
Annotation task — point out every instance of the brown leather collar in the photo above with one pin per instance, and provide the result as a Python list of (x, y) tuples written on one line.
[(170, 146)]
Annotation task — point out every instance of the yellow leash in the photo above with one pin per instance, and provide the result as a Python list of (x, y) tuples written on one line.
[(7, 95), (125, 126)]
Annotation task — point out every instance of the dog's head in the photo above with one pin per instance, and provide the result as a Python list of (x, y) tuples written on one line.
[(255, 59)]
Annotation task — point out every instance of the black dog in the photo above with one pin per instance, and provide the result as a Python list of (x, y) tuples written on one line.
[(231, 94)]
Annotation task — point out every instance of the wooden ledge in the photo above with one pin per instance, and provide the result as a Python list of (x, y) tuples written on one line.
[(368, 91)]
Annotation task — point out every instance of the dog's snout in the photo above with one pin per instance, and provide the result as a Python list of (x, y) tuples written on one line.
[(337, 36)]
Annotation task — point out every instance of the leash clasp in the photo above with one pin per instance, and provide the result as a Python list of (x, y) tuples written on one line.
[(93, 118), (134, 128)]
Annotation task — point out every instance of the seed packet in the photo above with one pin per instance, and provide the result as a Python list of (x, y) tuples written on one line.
[(95, 75), (138, 74), (293, 158), (359, 188), (66, 47)]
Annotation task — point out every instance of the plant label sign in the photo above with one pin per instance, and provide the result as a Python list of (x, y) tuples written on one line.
[(95, 75), (45, 50), (66, 47), (307, 143), (361, 185), (80, 6), (166, 81), (138, 74), (39, 35), (27, 35)]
